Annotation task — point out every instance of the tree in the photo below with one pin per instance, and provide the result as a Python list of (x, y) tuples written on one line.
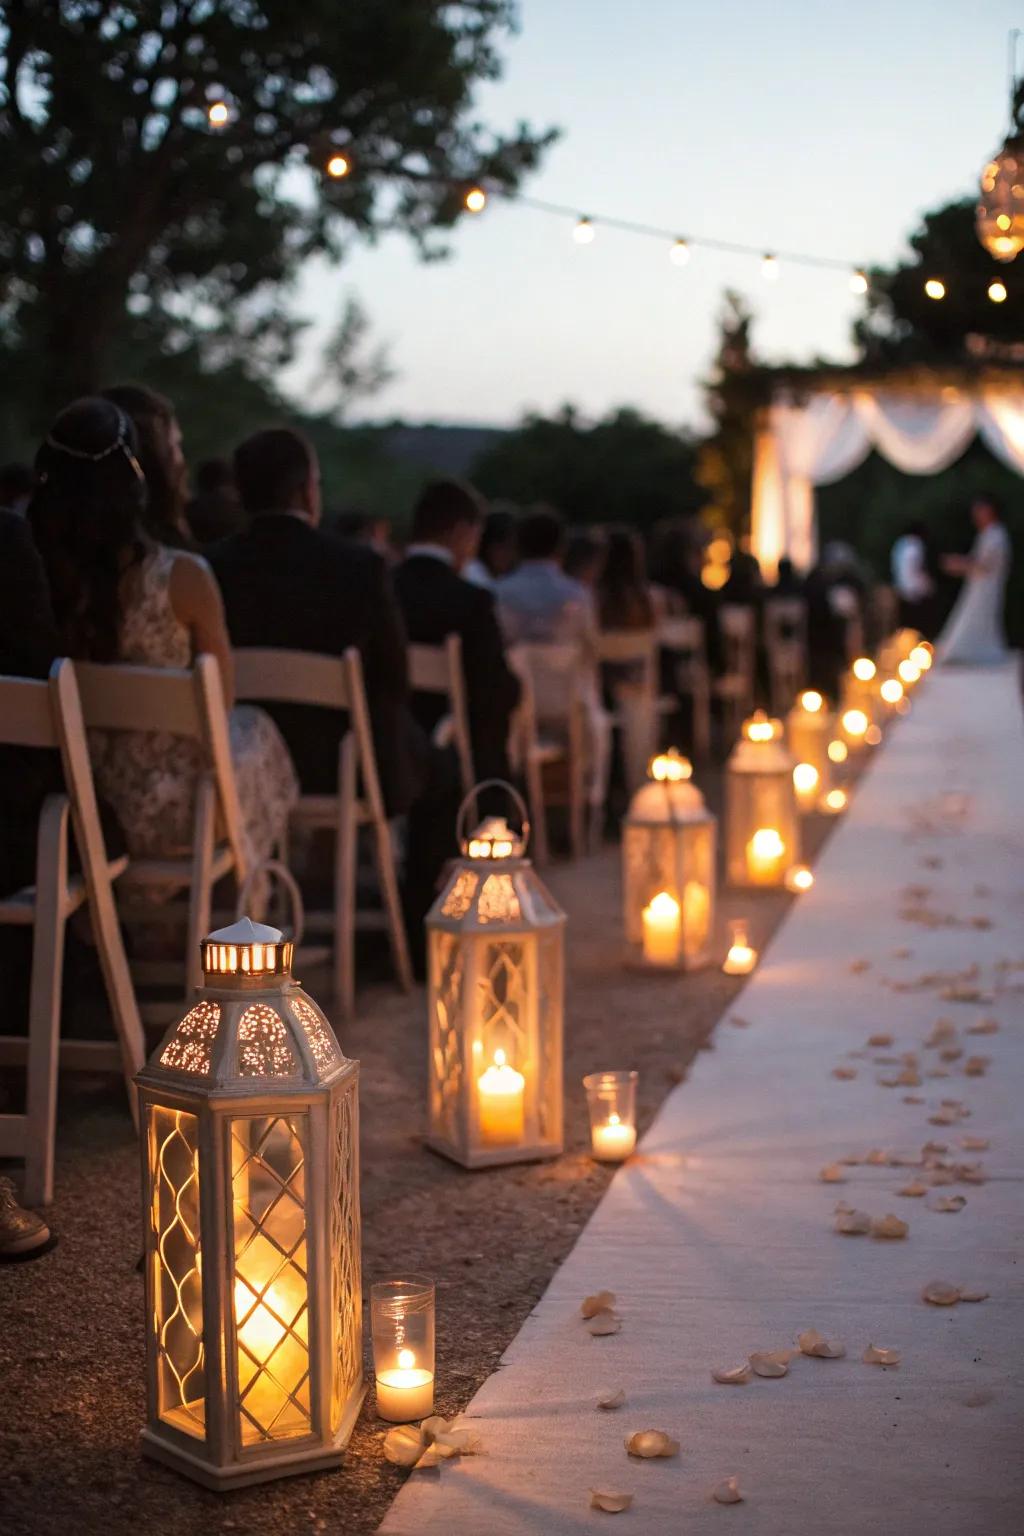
[(734, 392), (624, 469), (903, 325), (119, 194)]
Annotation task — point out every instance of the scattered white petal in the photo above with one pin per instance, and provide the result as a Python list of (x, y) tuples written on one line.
[(878, 1157), (814, 1343), (832, 1173), (614, 1399), (459, 1442), (602, 1324), (951, 1203), (853, 1223), (731, 1375), (612, 1503), (951, 1053), (934, 1146), (857, 966), (940, 1293), (880, 1042), (728, 1492), (844, 1074), (603, 1301), (434, 1426), (878, 1354), (973, 1293), (889, 1227), (648, 1443), (975, 1143), (976, 1066), (404, 1445), (774, 1362), (984, 1027), (914, 1189)]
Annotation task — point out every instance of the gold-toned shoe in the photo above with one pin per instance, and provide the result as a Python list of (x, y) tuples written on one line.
[(21, 1231)]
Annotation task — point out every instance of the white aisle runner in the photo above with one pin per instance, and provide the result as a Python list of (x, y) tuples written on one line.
[(718, 1239)]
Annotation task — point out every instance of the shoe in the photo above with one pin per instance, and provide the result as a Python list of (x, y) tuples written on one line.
[(21, 1231)]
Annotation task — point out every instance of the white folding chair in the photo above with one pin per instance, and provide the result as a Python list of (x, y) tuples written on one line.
[(48, 717), (685, 642), (635, 708), (190, 704), (570, 730), (336, 683), (785, 642), (437, 669), (737, 626)]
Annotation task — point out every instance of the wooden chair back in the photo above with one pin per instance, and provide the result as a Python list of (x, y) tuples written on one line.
[(437, 669), (785, 640), (738, 628)]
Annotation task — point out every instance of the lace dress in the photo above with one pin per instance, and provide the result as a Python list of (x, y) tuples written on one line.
[(149, 777)]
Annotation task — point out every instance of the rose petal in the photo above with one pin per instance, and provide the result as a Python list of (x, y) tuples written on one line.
[(880, 1042), (853, 1223), (727, 1492), (976, 1066), (975, 1143), (612, 1503), (878, 1354), (434, 1426), (889, 1227), (731, 1375), (615, 1399), (832, 1173), (814, 1343), (768, 1363), (844, 1074), (951, 1203), (459, 1442), (648, 1443), (973, 1293), (404, 1445), (603, 1301), (940, 1293), (914, 1189), (878, 1157), (984, 1027), (602, 1324)]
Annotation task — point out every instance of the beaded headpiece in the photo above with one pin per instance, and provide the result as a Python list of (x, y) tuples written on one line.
[(120, 443)]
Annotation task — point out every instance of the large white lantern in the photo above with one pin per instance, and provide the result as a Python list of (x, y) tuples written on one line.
[(810, 726), (495, 939), (250, 1176), (762, 837), (669, 839)]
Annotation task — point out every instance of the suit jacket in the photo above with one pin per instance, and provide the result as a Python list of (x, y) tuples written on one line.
[(291, 586), (436, 602)]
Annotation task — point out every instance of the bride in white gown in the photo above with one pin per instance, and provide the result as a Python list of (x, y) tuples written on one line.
[(973, 634)]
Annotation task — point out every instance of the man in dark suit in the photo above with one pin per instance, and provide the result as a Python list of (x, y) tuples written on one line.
[(436, 602), (289, 584)]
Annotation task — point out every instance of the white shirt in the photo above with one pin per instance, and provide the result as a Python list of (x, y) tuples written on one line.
[(477, 573), (432, 552)]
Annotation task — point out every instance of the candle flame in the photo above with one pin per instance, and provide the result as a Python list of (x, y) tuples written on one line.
[(499, 1057), (864, 669), (891, 690), (855, 721), (613, 1118), (406, 1359), (766, 843), (837, 752), (670, 767), (760, 728), (805, 777), (811, 700), (663, 905)]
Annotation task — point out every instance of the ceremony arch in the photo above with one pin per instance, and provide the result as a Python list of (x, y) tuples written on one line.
[(815, 433)]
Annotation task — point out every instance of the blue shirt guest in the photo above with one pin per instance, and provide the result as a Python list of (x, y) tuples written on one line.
[(538, 602)]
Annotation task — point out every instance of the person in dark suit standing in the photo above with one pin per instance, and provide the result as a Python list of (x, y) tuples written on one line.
[(289, 584), (437, 602)]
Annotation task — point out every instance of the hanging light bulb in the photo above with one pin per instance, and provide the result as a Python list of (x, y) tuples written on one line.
[(583, 232), (218, 114), (997, 292), (858, 281), (935, 288), (475, 200), (770, 267), (338, 165), (679, 253)]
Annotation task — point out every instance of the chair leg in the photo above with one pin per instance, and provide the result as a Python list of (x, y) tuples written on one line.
[(538, 812), (202, 883), (346, 847), (44, 1005), (392, 903), (577, 787)]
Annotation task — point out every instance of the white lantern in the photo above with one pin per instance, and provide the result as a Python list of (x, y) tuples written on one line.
[(762, 824), (669, 839), (810, 726), (495, 939), (250, 1175)]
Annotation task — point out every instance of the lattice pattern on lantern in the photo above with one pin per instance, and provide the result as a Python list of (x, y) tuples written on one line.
[(177, 1288), (498, 901), (346, 1279), (446, 1057), (270, 1288), (190, 1048), (549, 980), (502, 1003), (264, 1049), (460, 898), (322, 1044)]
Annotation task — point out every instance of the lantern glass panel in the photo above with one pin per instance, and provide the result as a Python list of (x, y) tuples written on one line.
[(346, 1280), (445, 1048), (177, 1288), (270, 1289)]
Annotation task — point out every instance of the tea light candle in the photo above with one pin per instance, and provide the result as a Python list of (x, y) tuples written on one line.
[(662, 930), (766, 853), (835, 802), (806, 780), (501, 1100), (405, 1392), (799, 878), (741, 959), (613, 1141)]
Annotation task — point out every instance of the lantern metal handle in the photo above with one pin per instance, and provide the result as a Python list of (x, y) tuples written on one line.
[(470, 800), (283, 875)]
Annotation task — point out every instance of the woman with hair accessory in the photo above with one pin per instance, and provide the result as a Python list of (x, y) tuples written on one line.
[(119, 596)]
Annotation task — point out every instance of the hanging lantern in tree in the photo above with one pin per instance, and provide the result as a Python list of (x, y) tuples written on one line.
[(250, 1169), (495, 941), (810, 727), (999, 217), (762, 825), (668, 867)]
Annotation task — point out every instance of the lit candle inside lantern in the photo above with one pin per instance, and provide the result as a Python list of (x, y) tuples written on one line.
[(501, 1099), (766, 853), (891, 691), (662, 930), (405, 1392), (741, 959), (909, 673), (921, 656), (854, 725), (613, 1141), (696, 914), (806, 780), (838, 752)]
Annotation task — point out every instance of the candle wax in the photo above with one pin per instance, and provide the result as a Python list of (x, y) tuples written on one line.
[(613, 1143), (501, 1103), (662, 930), (404, 1395)]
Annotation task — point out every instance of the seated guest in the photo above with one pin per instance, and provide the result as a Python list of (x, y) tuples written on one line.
[(623, 594), (120, 597), (584, 558), (787, 582), (745, 585), (16, 481), (498, 551), (364, 528), (215, 510), (436, 602), (289, 584), (163, 462), (539, 602)]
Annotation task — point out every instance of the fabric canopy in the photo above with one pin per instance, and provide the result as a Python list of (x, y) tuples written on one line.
[(819, 442)]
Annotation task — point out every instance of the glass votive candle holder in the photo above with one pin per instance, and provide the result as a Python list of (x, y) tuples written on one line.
[(742, 957), (611, 1100), (402, 1326)]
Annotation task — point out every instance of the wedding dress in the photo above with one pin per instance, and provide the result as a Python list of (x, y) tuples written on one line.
[(973, 635)]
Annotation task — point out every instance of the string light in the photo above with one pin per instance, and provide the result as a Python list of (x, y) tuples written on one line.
[(679, 253), (475, 200), (770, 268), (583, 233), (997, 292), (935, 288), (858, 282), (338, 166), (218, 114)]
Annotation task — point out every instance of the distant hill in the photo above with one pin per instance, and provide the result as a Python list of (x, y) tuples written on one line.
[(446, 450)]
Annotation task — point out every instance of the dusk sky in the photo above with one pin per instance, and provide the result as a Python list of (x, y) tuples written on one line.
[(799, 124)]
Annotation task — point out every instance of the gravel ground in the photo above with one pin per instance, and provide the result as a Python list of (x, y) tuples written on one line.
[(71, 1339)]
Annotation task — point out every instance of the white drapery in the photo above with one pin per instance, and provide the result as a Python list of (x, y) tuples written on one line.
[(817, 443)]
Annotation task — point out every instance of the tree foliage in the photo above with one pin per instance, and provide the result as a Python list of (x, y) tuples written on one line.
[(117, 196), (351, 366), (733, 393), (623, 469)]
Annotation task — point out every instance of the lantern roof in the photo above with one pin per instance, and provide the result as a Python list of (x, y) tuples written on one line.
[(481, 896), (245, 931)]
